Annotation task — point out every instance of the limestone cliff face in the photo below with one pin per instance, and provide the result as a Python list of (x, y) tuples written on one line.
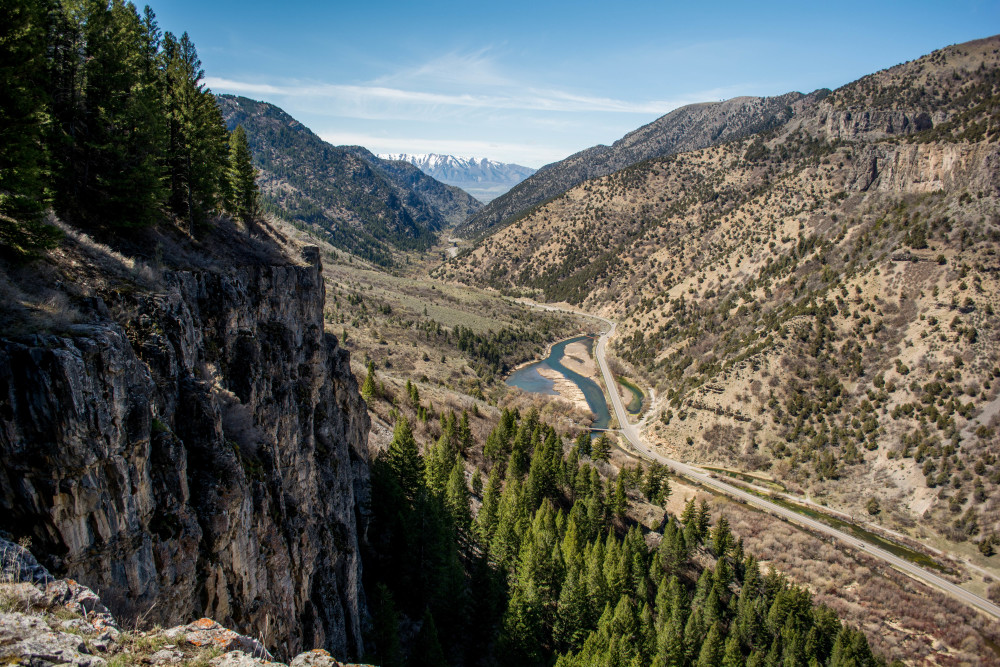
[(203, 455), (921, 168)]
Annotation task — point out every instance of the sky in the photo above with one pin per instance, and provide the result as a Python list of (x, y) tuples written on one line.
[(532, 82)]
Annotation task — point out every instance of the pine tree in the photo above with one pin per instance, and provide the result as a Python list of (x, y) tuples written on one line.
[(721, 538), (198, 157), (619, 501), (694, 635), (732, 657), (457, 496), (704, 518), (24, 109), (368, 387), (615, 572), (108, 114), (243, 180), (506, 540), (464, 432), (427, 649), (602, 448), (437, 465), (477, 482), (712, 649), (851, 649), (385, 623), (583, 443), (486, 519), (690, 511), (572, 613), (404, 459)]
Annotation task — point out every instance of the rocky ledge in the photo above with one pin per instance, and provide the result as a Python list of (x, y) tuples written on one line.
[(46, 622)]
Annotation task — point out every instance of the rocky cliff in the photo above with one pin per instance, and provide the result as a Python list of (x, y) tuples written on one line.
[(196, 450)]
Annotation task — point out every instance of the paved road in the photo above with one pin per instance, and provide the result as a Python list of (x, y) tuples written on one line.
[(631, 433)]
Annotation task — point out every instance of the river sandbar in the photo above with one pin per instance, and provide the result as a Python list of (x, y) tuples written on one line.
[(577, 358), (566, 388)]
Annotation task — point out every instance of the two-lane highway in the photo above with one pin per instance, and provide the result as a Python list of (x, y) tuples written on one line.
[(631, 434)]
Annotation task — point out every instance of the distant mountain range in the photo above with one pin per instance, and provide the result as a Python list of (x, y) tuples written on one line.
[(482, 178), (360, 203), (685, 129)]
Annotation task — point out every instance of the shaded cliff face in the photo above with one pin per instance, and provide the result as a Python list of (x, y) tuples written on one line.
[(203, 455)]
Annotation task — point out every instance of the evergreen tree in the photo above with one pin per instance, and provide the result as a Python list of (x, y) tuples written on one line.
[(198, 157), (602, 448), (404, 459), (506, 541), (427, 649), (385, 623), (24, 110), (457, 496), (464, 433), (486, 520), (851, 649), (583, 443), (694, 635), (732, 657), (477, 482), (438, 464), (713, 649), (619, 501), (721, 538), (368, 387), (108, 114), (572, 611), (690, 511), (704, 518), (243, 183)]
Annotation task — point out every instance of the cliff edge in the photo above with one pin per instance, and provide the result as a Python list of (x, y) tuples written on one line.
[(188, 441)]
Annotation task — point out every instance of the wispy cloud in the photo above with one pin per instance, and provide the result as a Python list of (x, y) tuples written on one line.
[(477, 68), (361, 97)]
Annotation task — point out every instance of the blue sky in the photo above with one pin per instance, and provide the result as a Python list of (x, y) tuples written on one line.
[(532, 82)]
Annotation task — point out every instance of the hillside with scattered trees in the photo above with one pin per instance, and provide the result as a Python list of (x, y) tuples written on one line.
[(357, 202), (816, 303)]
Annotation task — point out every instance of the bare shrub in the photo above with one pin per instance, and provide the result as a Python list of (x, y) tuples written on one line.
[(993, 592)]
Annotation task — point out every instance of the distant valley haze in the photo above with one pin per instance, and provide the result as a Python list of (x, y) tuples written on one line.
[(482, 178)]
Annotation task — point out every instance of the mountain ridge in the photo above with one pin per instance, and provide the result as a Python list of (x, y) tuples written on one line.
[(686, 128), (483, 178), (360, 204)]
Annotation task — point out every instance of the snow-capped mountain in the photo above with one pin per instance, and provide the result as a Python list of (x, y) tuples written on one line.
[(482, 178)]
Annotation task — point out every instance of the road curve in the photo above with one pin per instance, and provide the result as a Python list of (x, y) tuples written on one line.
[(631, 433)]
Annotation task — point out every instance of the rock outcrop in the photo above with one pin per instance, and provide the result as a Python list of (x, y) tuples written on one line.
[(46, 621), (200, 452)]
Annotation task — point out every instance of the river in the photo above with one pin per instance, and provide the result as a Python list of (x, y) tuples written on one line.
[(528, 379)]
